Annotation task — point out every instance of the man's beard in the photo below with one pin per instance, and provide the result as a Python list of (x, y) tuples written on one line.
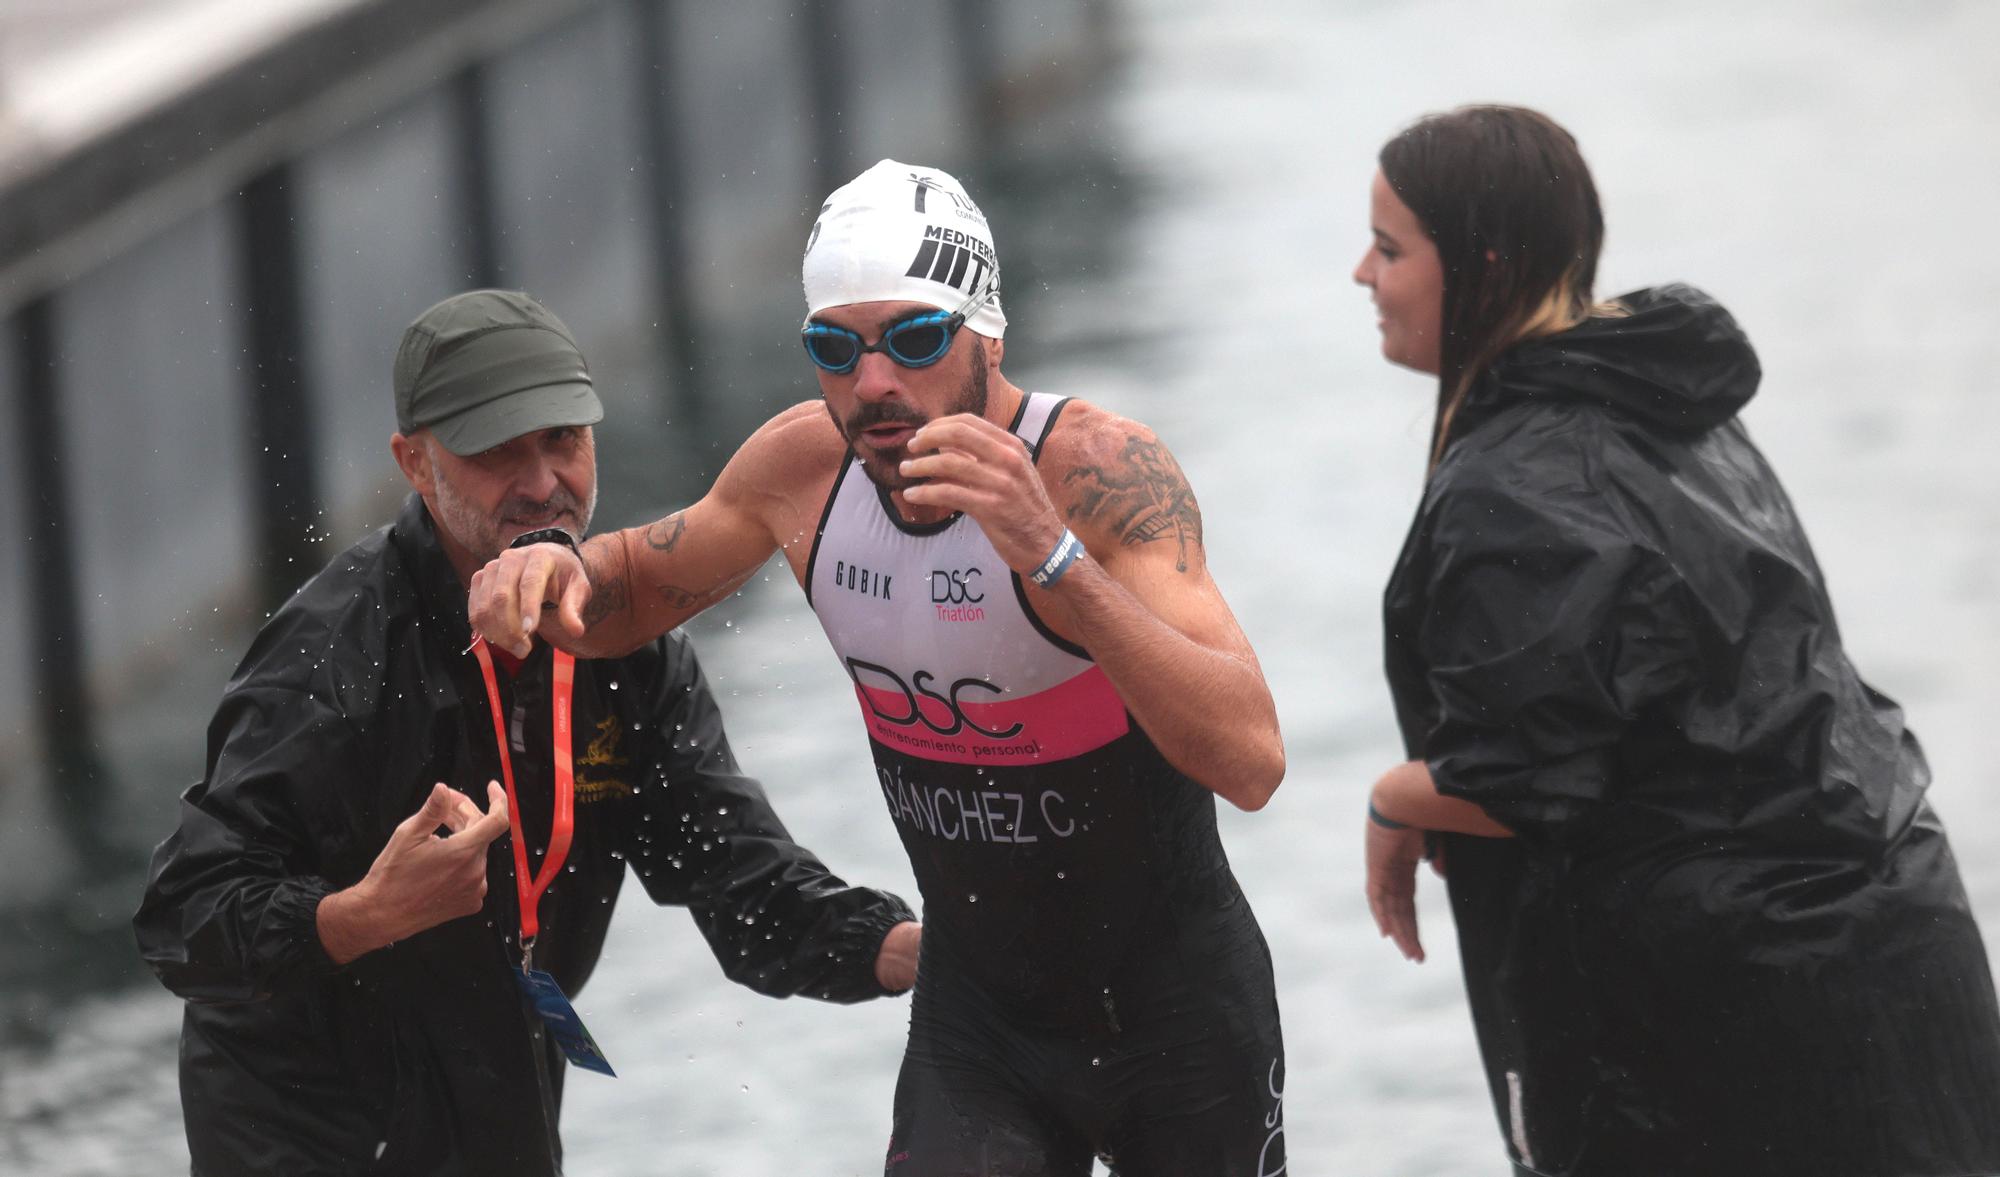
[(486, 536), (883, 466)]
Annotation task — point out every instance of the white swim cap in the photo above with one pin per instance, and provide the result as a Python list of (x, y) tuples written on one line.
[(897, 233)]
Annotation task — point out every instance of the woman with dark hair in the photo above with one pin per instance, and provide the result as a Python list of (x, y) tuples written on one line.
[(1709, 923)]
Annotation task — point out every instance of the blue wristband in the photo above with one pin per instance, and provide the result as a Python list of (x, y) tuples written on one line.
[(1052, 569), (1375, 815)]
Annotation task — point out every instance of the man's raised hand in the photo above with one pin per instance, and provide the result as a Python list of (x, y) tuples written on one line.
[(970, 464), (421, 878)]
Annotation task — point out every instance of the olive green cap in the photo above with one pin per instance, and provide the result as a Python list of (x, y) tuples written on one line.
[(484, 367)]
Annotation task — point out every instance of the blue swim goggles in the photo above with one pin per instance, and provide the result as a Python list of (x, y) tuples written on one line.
[(916, 342)]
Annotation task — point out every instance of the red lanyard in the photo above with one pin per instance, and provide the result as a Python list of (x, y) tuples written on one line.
[(530, 888)]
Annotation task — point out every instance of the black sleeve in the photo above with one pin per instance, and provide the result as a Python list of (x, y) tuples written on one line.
[(230, 911), (777, 920), (1550, 626)]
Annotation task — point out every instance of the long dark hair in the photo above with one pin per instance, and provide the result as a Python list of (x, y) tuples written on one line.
[(1504, 193)]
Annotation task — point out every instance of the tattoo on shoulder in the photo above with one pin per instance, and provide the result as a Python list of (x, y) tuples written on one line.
[(607, 596), (1141, 495), (678, 597), (663, 535)]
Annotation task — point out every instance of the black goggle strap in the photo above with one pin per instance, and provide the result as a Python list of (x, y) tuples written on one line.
[(980, 296)]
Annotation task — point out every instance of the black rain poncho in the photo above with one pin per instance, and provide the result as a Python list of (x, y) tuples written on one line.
[(422, 1058), (1730, 937)]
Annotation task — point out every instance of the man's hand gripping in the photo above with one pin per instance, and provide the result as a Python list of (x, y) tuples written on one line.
[(541, 588)]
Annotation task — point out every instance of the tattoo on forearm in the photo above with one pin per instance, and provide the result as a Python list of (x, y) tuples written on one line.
[(663, 535), (607, 596), (679, 598), (1142, 495)]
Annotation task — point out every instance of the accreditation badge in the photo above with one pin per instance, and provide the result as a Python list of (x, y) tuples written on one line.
[(560, 1017)]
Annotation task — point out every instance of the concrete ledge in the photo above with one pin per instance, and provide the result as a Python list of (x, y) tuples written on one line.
[(73, 204)]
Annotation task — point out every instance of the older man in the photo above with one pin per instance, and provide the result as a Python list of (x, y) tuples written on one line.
[(358, 997)]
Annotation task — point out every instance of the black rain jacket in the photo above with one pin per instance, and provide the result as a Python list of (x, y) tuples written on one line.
[(422, 1058), (1730, 937)]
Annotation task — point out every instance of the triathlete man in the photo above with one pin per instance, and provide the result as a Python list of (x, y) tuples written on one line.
[(1053, 689)]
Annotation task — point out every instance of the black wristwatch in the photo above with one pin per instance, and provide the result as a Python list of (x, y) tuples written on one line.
[(549, 535)]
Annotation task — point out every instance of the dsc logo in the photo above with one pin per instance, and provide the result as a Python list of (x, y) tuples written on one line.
[(909, 710), (956, 587)]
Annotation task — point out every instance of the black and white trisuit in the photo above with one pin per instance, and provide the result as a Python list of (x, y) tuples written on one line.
[(1092, 979)]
